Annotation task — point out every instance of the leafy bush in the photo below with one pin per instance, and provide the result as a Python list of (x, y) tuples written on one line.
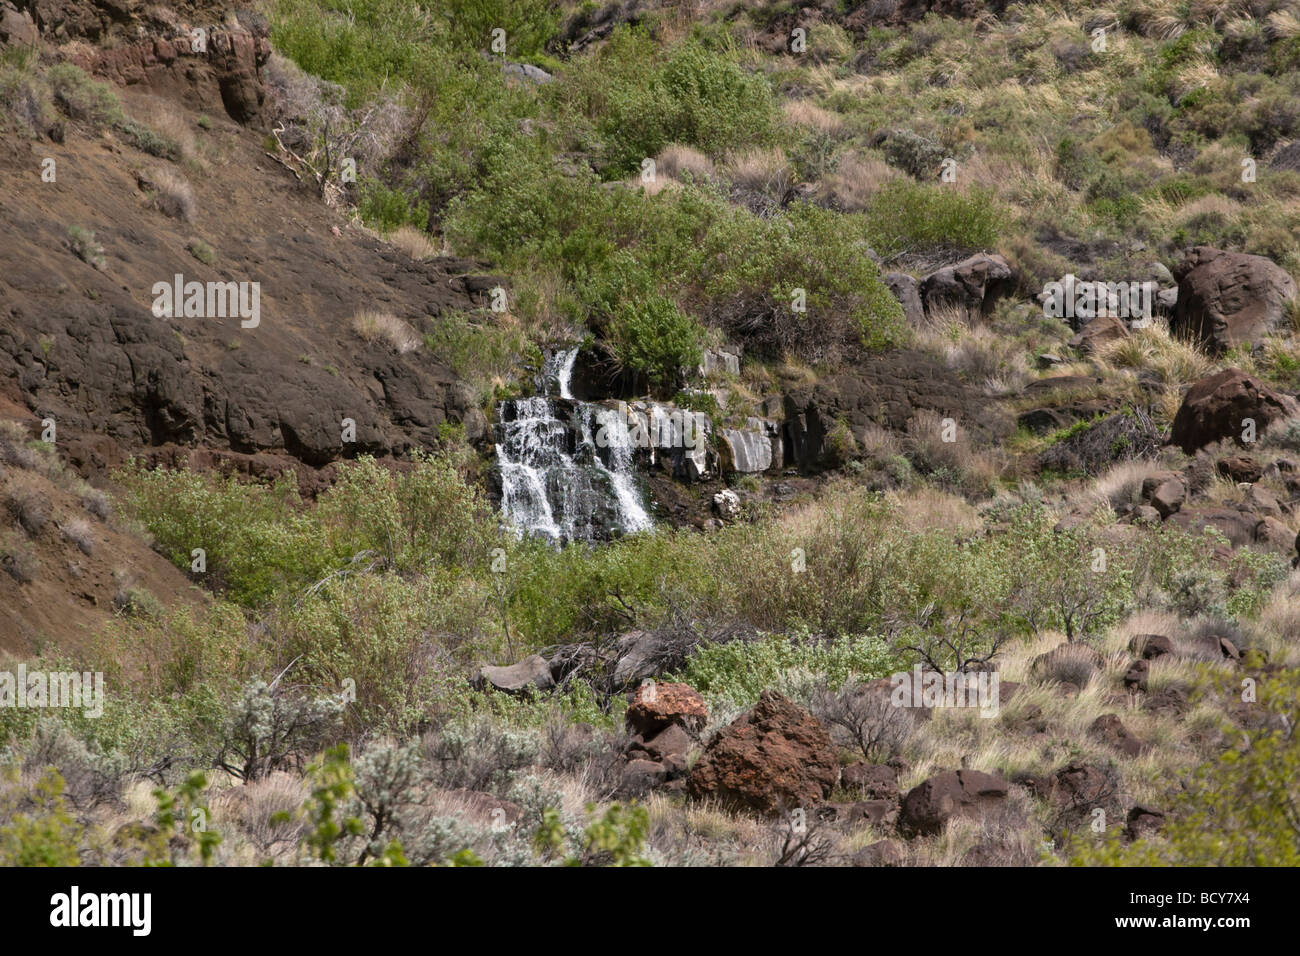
[(914, 217), (641, 101), (48, 835), (82, 98), (655, 340), (1236, 810), (739, 671)]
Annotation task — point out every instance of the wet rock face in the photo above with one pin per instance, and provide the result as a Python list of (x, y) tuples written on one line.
[(1228, 298), (750, 450)]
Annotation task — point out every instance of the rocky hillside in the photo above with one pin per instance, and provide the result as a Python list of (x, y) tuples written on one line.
[(847, 434)]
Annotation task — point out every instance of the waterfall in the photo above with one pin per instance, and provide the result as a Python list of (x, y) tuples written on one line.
[(567, 467)]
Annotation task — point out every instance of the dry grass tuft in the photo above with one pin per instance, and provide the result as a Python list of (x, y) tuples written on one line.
[(376, 326), (174, 196), (413, 242)]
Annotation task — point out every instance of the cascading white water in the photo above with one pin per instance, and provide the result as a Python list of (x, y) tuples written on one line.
[(559, 479)]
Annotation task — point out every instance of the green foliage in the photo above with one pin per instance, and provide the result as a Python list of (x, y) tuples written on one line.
[(616, 838), (739, 671), (331, 791), (186, 814), (259, 539), (362, 44), (640, 99), (528, 24), (48, 835), (904, 216), (386, 209), (149, 141), (1237, 810), (654, 339), (82, 98), (256, 538)]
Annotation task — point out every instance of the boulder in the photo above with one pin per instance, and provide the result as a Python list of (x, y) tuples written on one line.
[(1098, 332), (720, 361), (1145, 513), (1234, 524), (1143, 822), (873, 781), (971, 288), (726, 505), (1135, 678), (1170, 702), (1110, 730), (1272, 535), (655, 707), (744, 451), (1042, 421), (907, 291), (1240, 468), (1219, 405), (668, 747), (532, 673), (1229, 298), (1150, 646), (969, 793), (877, 813), (640, 776), (16, 27), (881, 853), (643, 654), (1262, 502), (772, 759), (1165, 492)]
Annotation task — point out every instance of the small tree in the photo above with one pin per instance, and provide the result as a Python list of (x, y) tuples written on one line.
[(271, 728)]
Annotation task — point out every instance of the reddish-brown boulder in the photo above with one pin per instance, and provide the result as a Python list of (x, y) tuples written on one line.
[(1228, 298), (1099, 332), (1219, 406), (1143, 822), (930, 805), (772, 759), (873, 781), (1151, 646), (1240, 468), (1110, 730), (1164, 491), (1135, 678), (655, 707)]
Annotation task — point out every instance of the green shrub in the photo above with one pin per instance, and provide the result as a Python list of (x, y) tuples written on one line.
[(640, 100), (1236, 810), (652, 338), (911, 217), (82, 98), (739, 671), (47, 835), (256, 538), (149, 141)]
